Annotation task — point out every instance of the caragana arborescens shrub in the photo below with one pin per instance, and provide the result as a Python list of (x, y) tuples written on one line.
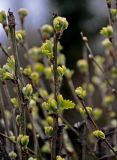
[(32, 123)]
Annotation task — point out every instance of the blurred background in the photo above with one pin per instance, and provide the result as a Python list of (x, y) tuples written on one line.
[(86, 15)]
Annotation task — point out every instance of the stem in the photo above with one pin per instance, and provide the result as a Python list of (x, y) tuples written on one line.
[(56, 91), (18, 77), (6, 91), (36, 144), (91, 56), (95, 125), (2, 108)]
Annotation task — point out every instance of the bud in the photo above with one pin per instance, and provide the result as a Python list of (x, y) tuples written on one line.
[(59, 158), (61, 70), (35, 77), (12, 138), (82, 65), (2, 17), (39, 67), (61, 59), (15, 103), (107, 31), (18, 119), (97, 112), (60, 24), (12, 155), (83, 112), (107, 44), (47, 48), (35, 53), (32, 103), (48, 72), (52, 104), (27, 71), (48, 130), (114, 12), (45, 105), (43, 93), (20, 35), (23, 12), (50, 120), (23, 140), (81, 93), (108, 100), (6, 75), (28, 90), (99, 134), (31, 158), (69, 73), (60, 98), (47, 31), (114, 72)]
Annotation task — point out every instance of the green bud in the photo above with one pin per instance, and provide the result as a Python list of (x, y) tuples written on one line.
[(99, 134), (114, 72), (69, 73), (18, 119), (31, 158), (83, 112), (48, 130), (2, 17), (81, 93), (61, 70), (23, 140), (47, 48), (114, 12), (61, 59), (107, 44), (97, 112), (39, 67), (114, 123), (46, 148), (60, 24), (47, 31), (12, 138), (48, 72), (82, 65), (52, 105), (59, 158), (12, 155), (28, 90), (28, 71), (60, 98), (20, 35), (35, 53), (15, 102), (50, 120), (32, 103), (43, 93), (6, 75), (35, 77), (108, 100), (45, 105), (107, 31), (23, 12)]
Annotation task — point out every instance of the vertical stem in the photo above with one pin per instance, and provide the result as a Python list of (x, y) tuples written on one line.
[(36, 144), (6, 91), (2, 108), (18, 77), (56, 91)]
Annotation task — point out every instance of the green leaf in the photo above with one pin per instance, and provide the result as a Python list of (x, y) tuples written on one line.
[(67, 104)]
